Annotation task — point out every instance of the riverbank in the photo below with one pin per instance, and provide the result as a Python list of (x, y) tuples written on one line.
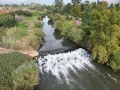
[(25, 37), (29, 53)]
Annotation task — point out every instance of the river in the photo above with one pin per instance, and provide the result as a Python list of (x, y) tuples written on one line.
[(63, 68)]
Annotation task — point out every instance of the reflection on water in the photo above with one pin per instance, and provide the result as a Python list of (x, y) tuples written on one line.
[(53, 40), (57, 35)]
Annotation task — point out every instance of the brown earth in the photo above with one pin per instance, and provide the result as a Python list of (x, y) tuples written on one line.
[(29, 53), (5, 11)]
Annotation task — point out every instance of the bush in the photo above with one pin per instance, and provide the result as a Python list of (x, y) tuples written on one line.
[(68, 25), (7, 20), (50, 16), (76, 35), (39, 17), (33, 42), (39, 33), (115, 61), (26, 76), (58, 17), (68, 17), (38, 24), (59, 25), (36, 41), (8, 63), (42, 14), (24, 13), (66, 30)]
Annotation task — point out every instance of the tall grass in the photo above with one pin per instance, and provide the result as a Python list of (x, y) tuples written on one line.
[(11, 42)]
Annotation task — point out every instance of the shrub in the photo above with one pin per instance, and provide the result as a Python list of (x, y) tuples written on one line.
[(36, 41), (38, 24), (39, 33), (7, 20), (42, 14), (59, 25), (76, 35), (50, 16), (66, 30), (8, 63), (115, 61), (49, 12), (33, 42), (39, 17), (68, 17), (26, 76), (58, 17), (24, 13)]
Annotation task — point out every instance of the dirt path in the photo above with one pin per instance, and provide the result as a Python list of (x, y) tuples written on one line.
[(29, 53), (3, 50)]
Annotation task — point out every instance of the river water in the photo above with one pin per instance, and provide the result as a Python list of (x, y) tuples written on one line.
[(71, 70)]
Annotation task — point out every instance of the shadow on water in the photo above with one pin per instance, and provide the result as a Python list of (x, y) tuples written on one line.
[(57, 35), (54, 42)]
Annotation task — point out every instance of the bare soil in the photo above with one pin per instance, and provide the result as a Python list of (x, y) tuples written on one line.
[(29, 53), (5, 11)]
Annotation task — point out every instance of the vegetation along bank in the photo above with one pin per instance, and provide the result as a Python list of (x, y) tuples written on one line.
[(98, 32)]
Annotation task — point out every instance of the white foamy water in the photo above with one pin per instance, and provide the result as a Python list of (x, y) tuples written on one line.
[(64, 63)]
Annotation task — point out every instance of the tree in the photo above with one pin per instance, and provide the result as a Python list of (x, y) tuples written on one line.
[(58, 5), (102, 5), (75, 11), (67, 8), (76, 2)]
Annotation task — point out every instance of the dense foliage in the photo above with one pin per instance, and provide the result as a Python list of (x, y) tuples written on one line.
[(24, 13), (26, 76), (7, 20), (68, 28), (99, 32), (8, 63)]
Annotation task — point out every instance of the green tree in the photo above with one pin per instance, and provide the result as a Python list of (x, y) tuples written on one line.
[(58, 5), (75, 11), (7, 20), (115, 60), (67, 8)]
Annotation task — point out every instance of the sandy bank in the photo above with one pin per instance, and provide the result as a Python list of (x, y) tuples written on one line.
[(32, 53)]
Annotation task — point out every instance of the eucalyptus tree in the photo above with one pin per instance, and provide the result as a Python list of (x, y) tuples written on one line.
[(58, 5)]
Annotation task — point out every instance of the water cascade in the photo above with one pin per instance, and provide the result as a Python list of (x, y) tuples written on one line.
[(61, 64)]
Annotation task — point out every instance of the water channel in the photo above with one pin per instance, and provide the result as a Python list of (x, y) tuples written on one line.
[(67, 67)]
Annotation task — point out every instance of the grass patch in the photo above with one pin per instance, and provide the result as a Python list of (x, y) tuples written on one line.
[(24, 28), (35, 13), (8, 63), (23, 35)]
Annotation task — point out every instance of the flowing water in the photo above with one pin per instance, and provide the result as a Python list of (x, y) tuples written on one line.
[(54, 42), (72, 70)]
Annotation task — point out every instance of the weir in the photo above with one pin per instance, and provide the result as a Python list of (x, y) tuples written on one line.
[(61, 64)]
